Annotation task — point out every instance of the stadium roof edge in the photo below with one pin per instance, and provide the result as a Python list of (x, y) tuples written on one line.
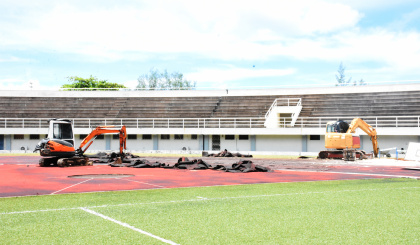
[(213, 93)]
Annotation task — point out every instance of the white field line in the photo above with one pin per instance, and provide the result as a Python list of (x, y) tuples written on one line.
[(71, 186), (354, 173), (201, 199), (128, 226), (142, 182)]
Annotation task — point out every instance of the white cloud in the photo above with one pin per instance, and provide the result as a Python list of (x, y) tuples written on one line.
[(374, 4), (225, 29), (13, 59), (234, 74), (103, 31)]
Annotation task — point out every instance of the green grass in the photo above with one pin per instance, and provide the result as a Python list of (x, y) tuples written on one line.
[(331, 212)]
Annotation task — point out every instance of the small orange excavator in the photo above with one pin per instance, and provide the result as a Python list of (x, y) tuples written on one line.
[(342, 142), (58, 149)]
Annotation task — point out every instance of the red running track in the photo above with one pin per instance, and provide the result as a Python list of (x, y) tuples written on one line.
[(21, 176)]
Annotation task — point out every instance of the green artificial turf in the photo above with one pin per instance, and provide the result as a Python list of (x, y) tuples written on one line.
[(330, 212)]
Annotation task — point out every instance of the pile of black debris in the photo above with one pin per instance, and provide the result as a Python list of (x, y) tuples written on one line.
[(132, 161), (103, 157), (185, 163), (225, 153), (243, 166), (137, 163)]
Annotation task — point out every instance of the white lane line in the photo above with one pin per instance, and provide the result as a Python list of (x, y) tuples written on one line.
[(142, 182), (353, 173), (55, 192), (128, 226), (200, 199)]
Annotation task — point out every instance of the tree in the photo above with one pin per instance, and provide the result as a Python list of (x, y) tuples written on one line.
[(157, 80), (91, 82), (341, 77), (362, 82)]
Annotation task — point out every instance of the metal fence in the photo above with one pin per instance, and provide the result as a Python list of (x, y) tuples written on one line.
[(252, 122), (255, 122), (376, 122)]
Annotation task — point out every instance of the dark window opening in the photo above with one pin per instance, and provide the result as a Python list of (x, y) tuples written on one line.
[(314, 137), (229, 137), (132, 136), (18, 137), (34, 136), (146, 136), (164, 136), (243, 137)]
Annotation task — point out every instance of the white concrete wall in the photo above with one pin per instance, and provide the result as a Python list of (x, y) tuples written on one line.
[(138, 144), (26, 143), (386, 141), (133, 144), (279, 143), (282, 143), (173, 144), (236, 144), (316, 145)]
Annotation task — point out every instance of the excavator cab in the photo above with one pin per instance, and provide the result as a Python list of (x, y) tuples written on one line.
[(61, 129), (60, 140), (337, 126)]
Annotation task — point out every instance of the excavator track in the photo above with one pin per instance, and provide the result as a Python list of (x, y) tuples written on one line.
[(74, 161), (339, 154), (48, 161)]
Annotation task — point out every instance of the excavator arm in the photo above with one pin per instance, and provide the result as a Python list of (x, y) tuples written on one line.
[(369, 130), (104, 130)]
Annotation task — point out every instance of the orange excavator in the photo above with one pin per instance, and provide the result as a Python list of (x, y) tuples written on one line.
[(342, 142), (58, 149)]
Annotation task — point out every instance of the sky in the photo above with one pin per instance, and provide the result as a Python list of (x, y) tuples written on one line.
[(218, 44)]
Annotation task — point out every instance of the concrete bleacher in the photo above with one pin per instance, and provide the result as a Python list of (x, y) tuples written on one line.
[(70, 107), (361, 105), (367, 104)]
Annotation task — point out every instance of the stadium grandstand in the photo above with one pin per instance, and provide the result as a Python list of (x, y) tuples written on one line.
[(260, 120)]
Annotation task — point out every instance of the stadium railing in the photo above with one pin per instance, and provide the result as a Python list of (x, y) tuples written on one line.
[(251, 122)]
